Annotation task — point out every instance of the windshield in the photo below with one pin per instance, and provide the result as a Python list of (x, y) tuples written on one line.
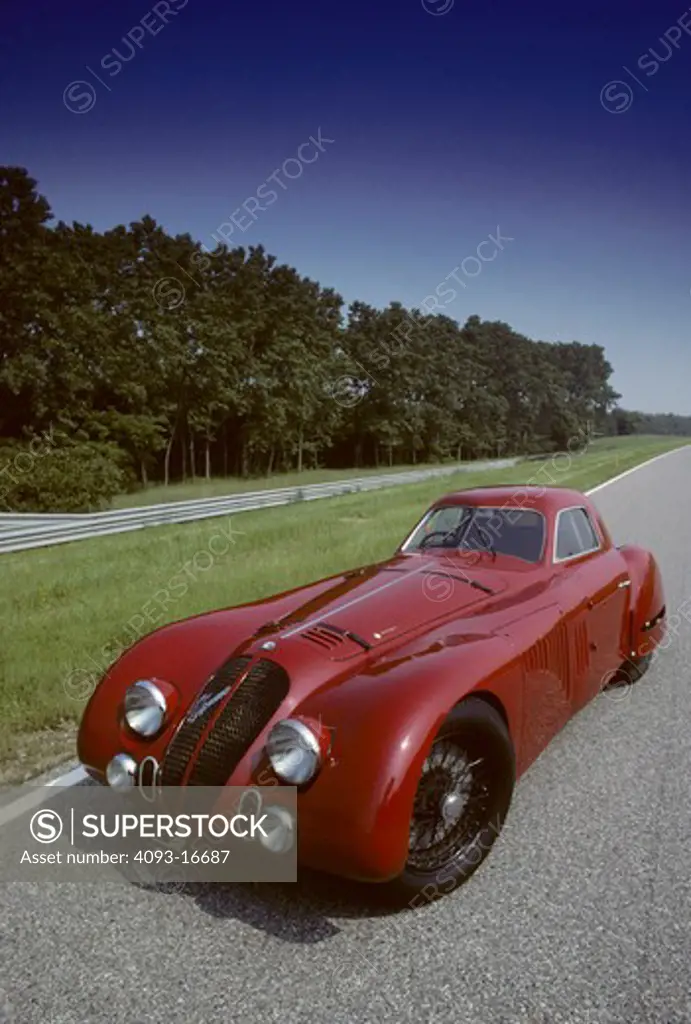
[(507, 531)]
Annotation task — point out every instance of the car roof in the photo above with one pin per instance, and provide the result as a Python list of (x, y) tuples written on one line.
[(542, 499)]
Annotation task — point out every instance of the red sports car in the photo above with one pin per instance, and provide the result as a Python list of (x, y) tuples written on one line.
[(403, 699)]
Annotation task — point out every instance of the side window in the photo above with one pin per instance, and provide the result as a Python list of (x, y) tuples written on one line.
[(575, 534), (585, 529)]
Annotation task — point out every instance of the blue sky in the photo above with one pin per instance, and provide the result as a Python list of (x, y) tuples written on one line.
[(445, 127)]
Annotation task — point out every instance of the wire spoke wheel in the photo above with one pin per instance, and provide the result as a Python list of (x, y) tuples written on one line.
[(451, 805), (461, 799)]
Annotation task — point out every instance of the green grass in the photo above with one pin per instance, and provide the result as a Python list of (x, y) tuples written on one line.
[(65, 610), (218, 486)]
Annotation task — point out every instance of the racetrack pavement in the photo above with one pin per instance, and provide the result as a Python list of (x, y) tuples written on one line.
[(580, 914)]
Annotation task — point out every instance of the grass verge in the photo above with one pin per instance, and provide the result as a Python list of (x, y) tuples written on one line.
[(217, 487), (67, 611)]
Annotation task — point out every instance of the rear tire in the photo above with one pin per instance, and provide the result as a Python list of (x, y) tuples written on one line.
[(637, 667), (462, 799), (630, 671)]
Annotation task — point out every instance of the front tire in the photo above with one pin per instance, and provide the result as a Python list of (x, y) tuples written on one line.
[(460, 805)]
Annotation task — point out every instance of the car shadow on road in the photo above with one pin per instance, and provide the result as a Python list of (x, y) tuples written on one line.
[(303, 912)]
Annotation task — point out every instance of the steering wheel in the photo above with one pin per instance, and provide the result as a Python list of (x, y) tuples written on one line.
[(435, 533), (486, 540)]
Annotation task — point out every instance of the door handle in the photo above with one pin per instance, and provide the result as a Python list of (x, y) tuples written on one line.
[(623, 583)]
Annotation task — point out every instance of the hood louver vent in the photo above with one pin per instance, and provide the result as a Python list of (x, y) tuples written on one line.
[(324, 636), (333, 638)]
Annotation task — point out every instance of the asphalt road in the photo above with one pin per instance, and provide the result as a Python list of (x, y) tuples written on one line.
[(582, 913)]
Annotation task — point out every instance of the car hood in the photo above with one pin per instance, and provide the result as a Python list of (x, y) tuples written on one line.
[(379, 603), (340, 619), (318, 634)]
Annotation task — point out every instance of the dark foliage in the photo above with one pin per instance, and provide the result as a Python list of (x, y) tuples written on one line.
[(188, 362)]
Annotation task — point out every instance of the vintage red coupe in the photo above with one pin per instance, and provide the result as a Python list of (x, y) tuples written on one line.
[(403, 699)]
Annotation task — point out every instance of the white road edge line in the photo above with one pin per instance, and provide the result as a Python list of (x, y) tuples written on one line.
[(71, 778), (78, 774), (641, 465)]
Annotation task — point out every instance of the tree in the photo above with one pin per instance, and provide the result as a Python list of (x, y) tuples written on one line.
[(188, 362)]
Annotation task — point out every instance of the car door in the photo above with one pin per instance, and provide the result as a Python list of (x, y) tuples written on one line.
[(547, 682), (601, 579)]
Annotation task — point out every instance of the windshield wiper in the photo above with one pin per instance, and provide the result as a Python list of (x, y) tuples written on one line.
[(465, 579), (479, 586)]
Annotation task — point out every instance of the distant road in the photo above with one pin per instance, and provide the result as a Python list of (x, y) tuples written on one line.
[(21, 531)]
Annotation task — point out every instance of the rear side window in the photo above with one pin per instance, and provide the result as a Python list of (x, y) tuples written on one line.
[(575, 534)]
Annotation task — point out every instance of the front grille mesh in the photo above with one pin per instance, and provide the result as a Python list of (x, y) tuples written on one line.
[(240, 721), (184, 743)]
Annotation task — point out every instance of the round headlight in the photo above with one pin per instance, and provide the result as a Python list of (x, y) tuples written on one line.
[(121, 772), (294, 751), (145, 708)]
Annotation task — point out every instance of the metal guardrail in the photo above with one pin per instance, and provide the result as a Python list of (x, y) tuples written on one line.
[(22, 531)]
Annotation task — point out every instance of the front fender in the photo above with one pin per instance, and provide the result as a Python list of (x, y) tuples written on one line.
[(184, 654), (354, 819)]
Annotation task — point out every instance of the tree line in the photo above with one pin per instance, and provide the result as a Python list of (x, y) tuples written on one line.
[(624, 421), (166, 361)]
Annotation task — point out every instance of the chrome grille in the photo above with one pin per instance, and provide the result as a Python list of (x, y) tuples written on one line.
[(240, 721), (183, 745)]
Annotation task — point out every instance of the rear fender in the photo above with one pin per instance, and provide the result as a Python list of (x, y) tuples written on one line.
[(647, 617)]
